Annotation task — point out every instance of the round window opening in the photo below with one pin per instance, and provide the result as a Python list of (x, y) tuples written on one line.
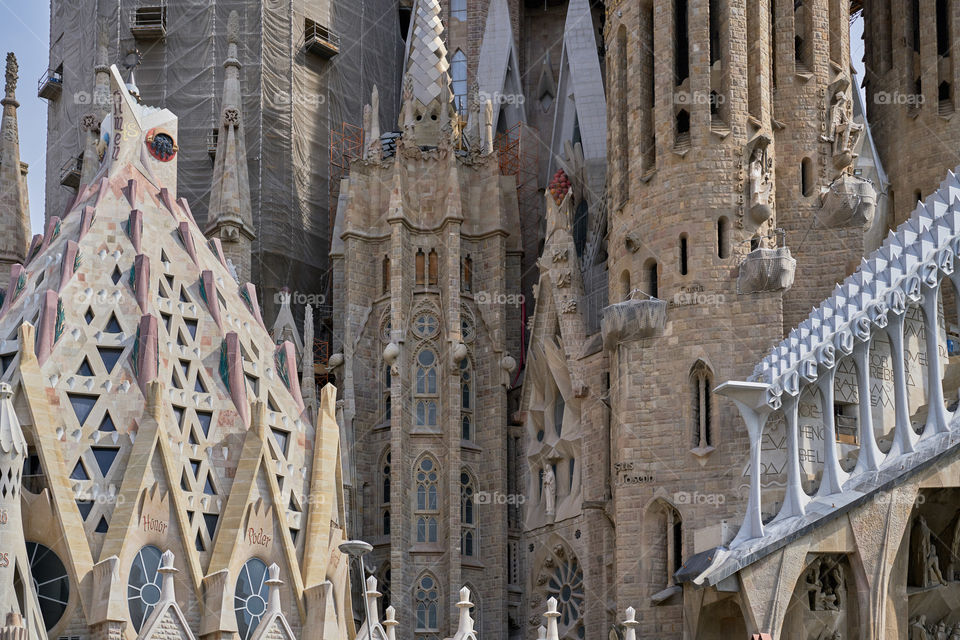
[(161, 146), (50, 582), (143, 585), (250, 597)]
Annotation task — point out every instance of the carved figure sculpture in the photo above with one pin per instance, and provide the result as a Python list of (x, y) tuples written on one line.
[(918, 629), (760, 187), (549, 489), (842, 131)]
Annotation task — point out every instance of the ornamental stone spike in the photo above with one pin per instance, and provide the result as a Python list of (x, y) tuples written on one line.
[(465, 626), (631, 624), (372, 596), (541, 633), (167, 571), (391, 623), (14, 202), (273, 582), (551, 615)]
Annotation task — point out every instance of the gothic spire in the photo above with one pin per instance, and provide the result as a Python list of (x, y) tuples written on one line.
[(14, 206), (427, 95), (230, 217)]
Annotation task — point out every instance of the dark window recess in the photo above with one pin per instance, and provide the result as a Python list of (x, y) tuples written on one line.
[(85, 507), (105, 457), (85, 369), (82, 405), (208, 487), (79, 472), (110, 356), (112, 325), (210, 519), (191, 325), (204, 417), (107, 424), (102, 526), (282, 437)]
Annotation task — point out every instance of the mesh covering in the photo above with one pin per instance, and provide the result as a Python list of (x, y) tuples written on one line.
[(291, 99)]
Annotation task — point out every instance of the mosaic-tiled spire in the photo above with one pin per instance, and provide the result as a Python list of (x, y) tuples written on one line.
[(230, 217), (426, 94), (14, 206)]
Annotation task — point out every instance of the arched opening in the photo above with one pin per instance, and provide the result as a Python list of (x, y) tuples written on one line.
[(625, 285), (385, 275), (723, 239), (663, 531), (681, 42), (458, 80), (426, 604), (427, 511), (683, 254), (421, 268), (648, 136), (434, 268), (652, 278), (701, 385), (466, 280), (806, 177), (469, 542), (824, 601)]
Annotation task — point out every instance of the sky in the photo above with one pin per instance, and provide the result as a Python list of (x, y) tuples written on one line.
[(25, 30)]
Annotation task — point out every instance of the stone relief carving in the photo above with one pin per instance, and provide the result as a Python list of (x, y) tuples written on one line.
[(842, 131), (761, 185), (825, 585), (926, 558)]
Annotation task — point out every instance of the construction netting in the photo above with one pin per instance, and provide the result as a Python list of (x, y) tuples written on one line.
[(294, 93)]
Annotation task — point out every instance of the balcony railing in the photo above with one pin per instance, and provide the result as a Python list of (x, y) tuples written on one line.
[(149, 22), (50, 85), (320, 40)]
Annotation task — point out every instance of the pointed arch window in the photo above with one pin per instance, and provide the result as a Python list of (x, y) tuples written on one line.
[(427, 606), (701, 382), (426, 389), (428, 503), (387, 398), (458, 75), (385, 274), (466, 278), (458, 9), (421, 267), (468, 516), (433, 268), (466, 401), (385, 494)]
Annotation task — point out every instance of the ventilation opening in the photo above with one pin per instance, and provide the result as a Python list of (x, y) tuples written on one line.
[(683, 254), (681, 43), (625, 285), (806, 177), (652, 275), (723, 248)]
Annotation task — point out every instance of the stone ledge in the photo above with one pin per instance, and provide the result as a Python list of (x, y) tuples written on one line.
[(632, 320), (766, 270)]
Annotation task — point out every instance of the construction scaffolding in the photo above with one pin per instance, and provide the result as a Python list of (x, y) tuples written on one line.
[(517, 153), (346, 142)]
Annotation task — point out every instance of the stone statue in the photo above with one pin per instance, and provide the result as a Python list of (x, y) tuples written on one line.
[(842, 131), (941, 632), (760, 187), (928, 561), (955, 634), (549, 489), (918, 629)]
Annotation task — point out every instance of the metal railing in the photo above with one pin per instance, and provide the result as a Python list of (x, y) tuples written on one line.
[(320, 39), (50, 84)]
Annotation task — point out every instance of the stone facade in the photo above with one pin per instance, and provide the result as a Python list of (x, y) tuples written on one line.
[(426, 258), (166, 451)]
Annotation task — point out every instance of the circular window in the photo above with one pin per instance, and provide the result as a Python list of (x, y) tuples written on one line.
[(250, 597), (143, 585), (426, 325), (161, 146), (50, 582), (426, 358), (566, 585)]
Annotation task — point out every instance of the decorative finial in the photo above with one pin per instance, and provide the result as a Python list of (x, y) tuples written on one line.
[(233, 28), (12, 75)]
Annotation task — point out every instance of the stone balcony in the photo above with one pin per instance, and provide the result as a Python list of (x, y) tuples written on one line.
[(764, 270), (632, 320)]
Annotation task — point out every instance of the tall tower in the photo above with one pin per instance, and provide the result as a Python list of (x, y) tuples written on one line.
[(911, 85), (229, 216), (731, 137), (14, 207), (425, 252)]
